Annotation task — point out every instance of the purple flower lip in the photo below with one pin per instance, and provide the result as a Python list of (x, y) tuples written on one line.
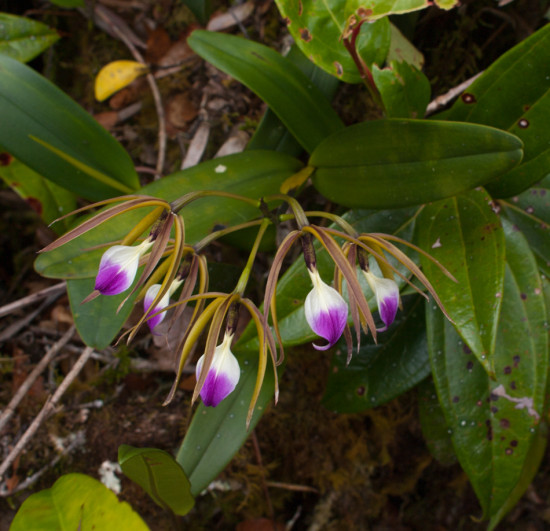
[(326, 311), (118, 268), (223, 374), (386, 291)]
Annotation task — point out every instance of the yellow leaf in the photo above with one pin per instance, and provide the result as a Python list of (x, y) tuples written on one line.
[(115, 76)]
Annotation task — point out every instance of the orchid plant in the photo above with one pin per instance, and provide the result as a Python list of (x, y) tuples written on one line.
[(448, 221)]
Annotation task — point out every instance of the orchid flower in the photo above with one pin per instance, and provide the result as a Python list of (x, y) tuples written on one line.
[(326, 311), (387, 297), (118, 267), (223, 374), (149, 298)]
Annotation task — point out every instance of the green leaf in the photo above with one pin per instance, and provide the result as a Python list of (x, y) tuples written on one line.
[(392, 163), (45, 197), (200, 8), (271, 132), (317, 28), (97, 321), (434, 427), (22, 38), (494, 423), (76, 502), (497, 98), (530, 212), (160, 475), (252, 173), (216, 434), (289, 93), (465, 235), (405, 90), (382, 371), (39, 113)]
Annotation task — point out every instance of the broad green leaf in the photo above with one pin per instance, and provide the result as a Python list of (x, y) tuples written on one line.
[(495, 423), (405, 90), (317, 28), (76, 502), (514, 94), (382, 371), (45, 197), (41, 115), (160, 475), (22, 38), (466, 236), (530, 212), (252, 173), (97, 321), (295, 100), (434, 428), (216, 434), (393, 163), (271, 132)]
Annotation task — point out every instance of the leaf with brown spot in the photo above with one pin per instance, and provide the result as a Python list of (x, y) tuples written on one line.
[(499, 418)]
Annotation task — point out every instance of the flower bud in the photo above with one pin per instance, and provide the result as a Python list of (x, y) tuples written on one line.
[(223, 374), (118, 268), (152, 292), (386, 291), (326, 311)]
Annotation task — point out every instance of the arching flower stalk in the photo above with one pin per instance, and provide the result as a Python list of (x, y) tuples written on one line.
[(119, 264), (225, 308), (357, 248), (326, 310)]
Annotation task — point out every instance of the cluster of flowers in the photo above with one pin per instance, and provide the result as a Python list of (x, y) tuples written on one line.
[(326, 310)]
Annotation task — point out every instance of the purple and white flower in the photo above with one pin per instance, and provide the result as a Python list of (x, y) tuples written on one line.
[(223, 374), (152, 292), (386, 291), (326, 311), (118, 267)]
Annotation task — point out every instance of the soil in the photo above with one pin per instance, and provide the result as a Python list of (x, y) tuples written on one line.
[(304, 467)]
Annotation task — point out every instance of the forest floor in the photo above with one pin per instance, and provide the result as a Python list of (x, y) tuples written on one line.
[(303, 467)]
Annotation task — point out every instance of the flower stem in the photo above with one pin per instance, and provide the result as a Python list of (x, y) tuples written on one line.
[(245, 275), (297, 210), (207, 240)]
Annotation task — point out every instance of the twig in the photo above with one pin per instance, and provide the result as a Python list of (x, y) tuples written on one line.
[(291, 486), (32, 298), (21, 323), (441, 101), (37, 371), (154, 89), (78, 441), (46, 410)]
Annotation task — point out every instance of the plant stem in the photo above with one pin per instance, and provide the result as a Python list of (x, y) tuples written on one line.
[(245, 275)]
